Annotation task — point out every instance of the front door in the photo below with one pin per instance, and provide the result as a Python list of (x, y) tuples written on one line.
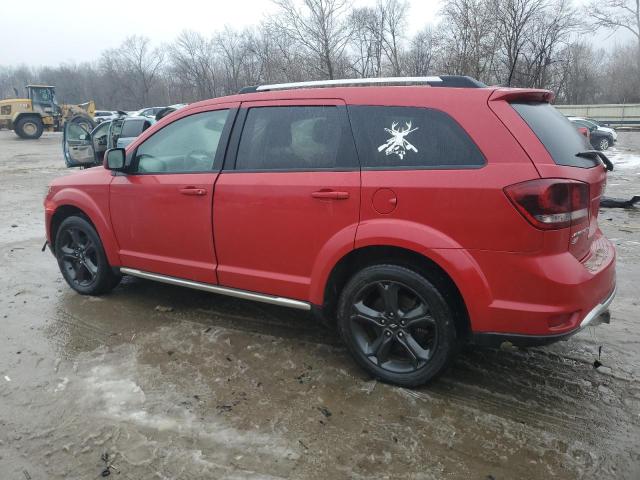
[(289, 191), (161, 209), (77, 146)]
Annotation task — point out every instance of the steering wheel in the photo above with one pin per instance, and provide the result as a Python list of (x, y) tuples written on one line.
[(199, 159)]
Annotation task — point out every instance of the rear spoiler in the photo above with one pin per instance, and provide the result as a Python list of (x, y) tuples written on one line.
[(522, 95)]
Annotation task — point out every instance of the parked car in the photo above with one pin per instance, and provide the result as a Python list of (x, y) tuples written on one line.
[(147, 112), (600, 138), (413, 219), (84, 148), (102, 115), (604, 128)]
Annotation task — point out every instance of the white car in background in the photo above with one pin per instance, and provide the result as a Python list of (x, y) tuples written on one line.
[(104, 116), (598, 126), (147, 112)]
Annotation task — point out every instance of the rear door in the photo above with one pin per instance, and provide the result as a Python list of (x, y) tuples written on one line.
[(161, 208), (289, 195)]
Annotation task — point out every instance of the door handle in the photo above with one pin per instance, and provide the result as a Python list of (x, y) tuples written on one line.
[(193, 191), (330, 194)]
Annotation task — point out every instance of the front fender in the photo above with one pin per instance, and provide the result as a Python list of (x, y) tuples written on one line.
[(96, 210)]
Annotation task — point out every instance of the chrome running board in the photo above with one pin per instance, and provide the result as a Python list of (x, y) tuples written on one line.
[(231, 292)]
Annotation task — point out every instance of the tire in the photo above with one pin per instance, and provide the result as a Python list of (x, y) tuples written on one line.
[(604, 143), (81, 258), (29, 127), (408, 341), (86, 122)]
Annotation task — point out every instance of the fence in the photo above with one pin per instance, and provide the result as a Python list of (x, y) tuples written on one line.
[(618, 115)]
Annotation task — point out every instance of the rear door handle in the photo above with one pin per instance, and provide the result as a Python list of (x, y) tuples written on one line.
[(330, 194), (193, 191)]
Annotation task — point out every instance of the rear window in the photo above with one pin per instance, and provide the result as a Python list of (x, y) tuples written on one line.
[(411, 138), (558, 135)]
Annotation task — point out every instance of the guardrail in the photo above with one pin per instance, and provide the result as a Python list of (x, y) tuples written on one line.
[(617, 115)]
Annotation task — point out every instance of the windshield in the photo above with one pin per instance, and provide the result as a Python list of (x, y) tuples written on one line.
[(558, 135)]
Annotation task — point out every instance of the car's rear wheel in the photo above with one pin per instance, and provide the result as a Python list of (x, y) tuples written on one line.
[(81, 258), (397, 325), (603, 144)]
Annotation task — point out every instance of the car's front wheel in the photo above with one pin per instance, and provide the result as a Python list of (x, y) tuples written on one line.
[(603, 143), (397, 325), (81, 258)]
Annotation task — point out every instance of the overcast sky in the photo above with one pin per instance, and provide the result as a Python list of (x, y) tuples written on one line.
[(44, 32)]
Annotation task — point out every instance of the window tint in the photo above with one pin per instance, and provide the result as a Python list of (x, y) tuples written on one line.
[(286, 138), (133, 128), (558, 135), (392, 137), (186, 145)]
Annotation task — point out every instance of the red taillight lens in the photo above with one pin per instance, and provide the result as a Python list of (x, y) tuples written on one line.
[(551, 203)]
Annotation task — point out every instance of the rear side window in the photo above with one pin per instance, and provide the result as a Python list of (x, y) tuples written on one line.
[(133, 128), (558, 135), (295, 138), (410, 137)]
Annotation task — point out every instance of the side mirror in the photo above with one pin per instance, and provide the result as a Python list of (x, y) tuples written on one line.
[(114, 159)]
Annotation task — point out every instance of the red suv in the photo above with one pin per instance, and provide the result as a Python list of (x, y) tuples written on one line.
[(420, 217)]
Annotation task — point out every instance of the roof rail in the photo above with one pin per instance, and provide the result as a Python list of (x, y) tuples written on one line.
[(456, 81)]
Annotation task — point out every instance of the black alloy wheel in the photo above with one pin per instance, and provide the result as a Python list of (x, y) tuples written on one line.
[(81, 258), (397, 325), (393, 326)]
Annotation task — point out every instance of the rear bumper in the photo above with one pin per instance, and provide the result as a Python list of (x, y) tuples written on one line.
[(541, 295), (599, 314)]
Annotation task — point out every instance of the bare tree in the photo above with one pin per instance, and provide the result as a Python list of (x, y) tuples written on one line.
[(393, 15), (419, 59), (319, 26), (469, 30), (193, 63), (516, 21), (139, 63), (618, 15), (366, 42)]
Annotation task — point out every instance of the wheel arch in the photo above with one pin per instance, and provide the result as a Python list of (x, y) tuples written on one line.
[(74, 202), (20, 115), (365, 256)]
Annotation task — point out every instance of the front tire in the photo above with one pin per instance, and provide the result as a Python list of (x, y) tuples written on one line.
[(29, 128), (81, 258), (397, 325), (603, 144)]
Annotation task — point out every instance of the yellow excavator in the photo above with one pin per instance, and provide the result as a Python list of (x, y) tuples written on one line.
[(40, 111)]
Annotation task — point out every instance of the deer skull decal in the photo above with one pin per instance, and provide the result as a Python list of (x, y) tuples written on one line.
[(398, 144)]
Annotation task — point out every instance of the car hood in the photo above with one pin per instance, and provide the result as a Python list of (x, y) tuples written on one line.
[(87, 176)]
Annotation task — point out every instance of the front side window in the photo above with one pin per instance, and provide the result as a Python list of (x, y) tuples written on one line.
[(411, 137), (295, 138), (186, 145)]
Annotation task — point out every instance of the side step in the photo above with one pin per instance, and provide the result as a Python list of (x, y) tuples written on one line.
[(231, 292)]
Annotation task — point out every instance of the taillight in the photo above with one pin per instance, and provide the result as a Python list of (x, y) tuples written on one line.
[(551, 203)]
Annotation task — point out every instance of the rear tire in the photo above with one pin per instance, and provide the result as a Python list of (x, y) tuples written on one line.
[(81, 258), (29, 128), (397, 325)]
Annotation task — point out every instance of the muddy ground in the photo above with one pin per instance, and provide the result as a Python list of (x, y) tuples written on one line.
[(213, 387)]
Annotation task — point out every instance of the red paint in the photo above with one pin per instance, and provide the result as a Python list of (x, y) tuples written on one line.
[(282, 233)]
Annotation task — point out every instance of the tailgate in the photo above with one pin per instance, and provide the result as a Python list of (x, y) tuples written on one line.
[(552, 143)]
